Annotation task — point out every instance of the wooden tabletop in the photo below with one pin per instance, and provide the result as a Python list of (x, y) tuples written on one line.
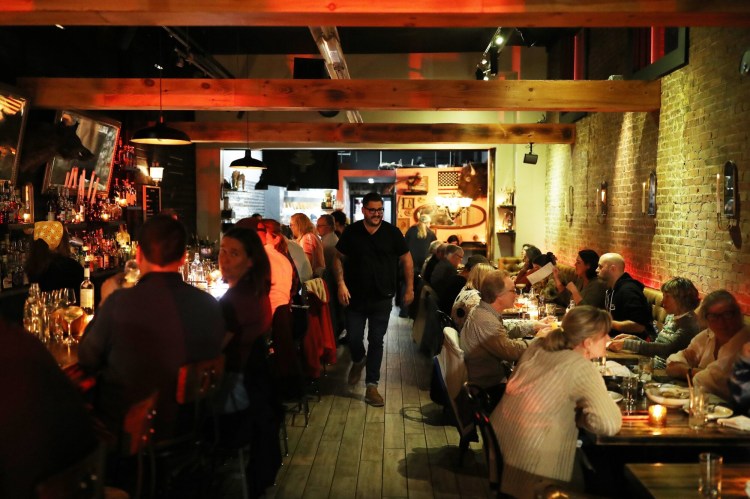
[(637, 431), (680, 481)]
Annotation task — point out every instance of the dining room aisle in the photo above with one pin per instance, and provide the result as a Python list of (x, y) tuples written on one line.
[(405, 449)]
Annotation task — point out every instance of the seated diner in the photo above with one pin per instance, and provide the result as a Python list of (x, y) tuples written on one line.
[(711, 354), (680, 326), (555, 389)]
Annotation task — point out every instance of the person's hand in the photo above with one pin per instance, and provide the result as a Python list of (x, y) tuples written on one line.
[(544, 331), (344, 295), (408, 297), (616, 345), (691, 357), (542, 324), (556, 272)]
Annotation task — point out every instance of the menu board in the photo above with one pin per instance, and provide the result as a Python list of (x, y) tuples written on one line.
[(151, 201)]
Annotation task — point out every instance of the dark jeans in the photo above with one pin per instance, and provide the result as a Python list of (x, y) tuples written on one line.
[(375, 315)]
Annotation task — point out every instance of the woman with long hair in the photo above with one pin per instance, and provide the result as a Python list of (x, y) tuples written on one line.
[(469, 296), (49, 262), (419, 237), (680, 326), (248, 402), (554, 390), (305, 235), (587, 288)]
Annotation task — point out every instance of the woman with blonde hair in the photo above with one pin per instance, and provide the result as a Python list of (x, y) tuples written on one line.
[(469, 296), (418, 239), (304, 233), (555, 389)]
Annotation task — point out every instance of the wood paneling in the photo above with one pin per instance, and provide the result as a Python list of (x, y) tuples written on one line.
[(396, 13), (316, 95), (348, 134)]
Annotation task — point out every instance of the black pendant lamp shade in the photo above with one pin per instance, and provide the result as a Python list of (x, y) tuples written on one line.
[(247, 161), (161, 135)]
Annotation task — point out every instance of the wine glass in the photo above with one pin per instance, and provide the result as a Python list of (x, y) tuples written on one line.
[(70, 312)]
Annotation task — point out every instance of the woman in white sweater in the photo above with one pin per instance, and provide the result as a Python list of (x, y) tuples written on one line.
[(554, 390)]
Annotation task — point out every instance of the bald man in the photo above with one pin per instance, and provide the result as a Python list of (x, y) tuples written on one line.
[(625, 300)]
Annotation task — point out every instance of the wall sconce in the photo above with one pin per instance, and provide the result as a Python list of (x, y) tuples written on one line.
[(601, 201), (727, 196), (648, 196), (156, 173), (569, 205)]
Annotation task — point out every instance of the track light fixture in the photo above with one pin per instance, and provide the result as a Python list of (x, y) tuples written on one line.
[(530, 158), (488, 64)]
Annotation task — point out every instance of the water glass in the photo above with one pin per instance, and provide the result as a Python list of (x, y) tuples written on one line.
[(709, 480), (550, 309), (697, 408), (645, 368), (629, 387)]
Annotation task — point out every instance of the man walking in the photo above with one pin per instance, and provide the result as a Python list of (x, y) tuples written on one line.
[(371, 250)]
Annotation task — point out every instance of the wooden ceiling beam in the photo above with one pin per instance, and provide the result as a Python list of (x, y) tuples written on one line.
[(359, 134), (317, 95), (384, 13)]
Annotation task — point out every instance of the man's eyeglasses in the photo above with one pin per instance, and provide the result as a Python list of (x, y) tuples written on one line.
[(729, 314), (373, 211)]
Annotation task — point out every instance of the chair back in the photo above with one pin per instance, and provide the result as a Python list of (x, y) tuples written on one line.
[(417, 329), (81, 480), (446, 320), (451, 368), (432, 338), (479, 401), (199, 380), (137, 427)]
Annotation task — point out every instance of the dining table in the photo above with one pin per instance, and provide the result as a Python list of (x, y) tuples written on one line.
[(680, 480)]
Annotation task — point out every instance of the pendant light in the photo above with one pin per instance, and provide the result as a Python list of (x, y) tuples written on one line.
[(247, 161), (160, 134)]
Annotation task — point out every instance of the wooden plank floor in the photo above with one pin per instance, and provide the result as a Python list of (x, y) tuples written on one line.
[(403, 450)]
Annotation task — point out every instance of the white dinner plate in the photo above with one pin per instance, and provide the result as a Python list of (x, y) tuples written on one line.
[(615, 396), (719, 412), (669, 395)]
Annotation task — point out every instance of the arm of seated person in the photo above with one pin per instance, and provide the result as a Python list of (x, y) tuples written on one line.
[(628, 327), (575, 294)]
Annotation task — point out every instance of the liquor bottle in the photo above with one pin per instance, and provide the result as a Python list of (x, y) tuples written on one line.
[(87, 292), (571, 306)]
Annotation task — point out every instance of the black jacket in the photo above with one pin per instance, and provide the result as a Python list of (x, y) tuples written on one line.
[(626, 302)]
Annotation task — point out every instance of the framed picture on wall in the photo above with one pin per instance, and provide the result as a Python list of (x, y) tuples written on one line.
[(14, 108), (98, 140)]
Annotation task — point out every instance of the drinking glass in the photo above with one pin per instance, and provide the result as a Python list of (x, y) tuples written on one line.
[(550, 309), (697, 408), (709, 481), (629, 387), (645, 368), (71, 313)]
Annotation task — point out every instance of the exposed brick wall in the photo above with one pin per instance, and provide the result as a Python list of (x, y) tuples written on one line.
[(704, 121)]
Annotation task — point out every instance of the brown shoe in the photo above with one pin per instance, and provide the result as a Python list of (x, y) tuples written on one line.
[(372, 396), (355, 372)]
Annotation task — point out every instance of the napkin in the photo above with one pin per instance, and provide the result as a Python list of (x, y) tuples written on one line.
[(737, 422), (617, 369)]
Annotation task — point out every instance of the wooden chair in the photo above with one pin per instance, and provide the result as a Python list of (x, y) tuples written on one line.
[(81, 480), (136, 438), (479, 401), (196, 384), (450, 364)]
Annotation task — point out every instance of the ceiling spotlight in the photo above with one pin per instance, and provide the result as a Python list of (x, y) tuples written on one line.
[(486, 77), (499, 39), (59, 26), (484, 59), (530, 158)]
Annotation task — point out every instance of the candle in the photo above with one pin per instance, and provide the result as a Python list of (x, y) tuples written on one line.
[(718, 193), (643, 199), (533, 314), (657, 415)]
